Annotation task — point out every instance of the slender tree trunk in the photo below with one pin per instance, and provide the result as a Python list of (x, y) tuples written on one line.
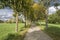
[(25, 22), (25, 18), (16, 22), (46, 19)]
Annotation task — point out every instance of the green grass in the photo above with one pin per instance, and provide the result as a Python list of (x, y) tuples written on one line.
[(53, 30), (6, 28)]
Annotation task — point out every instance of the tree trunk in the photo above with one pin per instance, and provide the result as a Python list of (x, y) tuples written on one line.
[(25, 22), (25, 19), (46, 19), (16, 22)]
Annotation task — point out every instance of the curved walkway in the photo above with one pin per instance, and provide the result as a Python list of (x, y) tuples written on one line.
[(36, 34)]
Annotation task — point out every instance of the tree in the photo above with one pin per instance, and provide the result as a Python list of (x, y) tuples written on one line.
[(18, 6), (1, 5), (26, 8), (53, 18), (46, 3), (39, 11), (35, 12)]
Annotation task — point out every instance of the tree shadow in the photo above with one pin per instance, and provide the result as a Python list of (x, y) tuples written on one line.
[(37, 35), (53, 31)]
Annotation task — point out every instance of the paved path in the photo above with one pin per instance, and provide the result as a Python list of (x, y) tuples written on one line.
[(36, 34)]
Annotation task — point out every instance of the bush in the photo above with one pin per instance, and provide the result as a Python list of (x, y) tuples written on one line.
[(14, 36), (17, 36), (54, 18), (1, 21), (37, 24)]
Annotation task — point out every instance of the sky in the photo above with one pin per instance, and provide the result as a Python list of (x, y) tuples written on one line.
[(52, 9), (6, 13)]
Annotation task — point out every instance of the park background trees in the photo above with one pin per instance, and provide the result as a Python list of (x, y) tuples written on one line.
[(53, 18)]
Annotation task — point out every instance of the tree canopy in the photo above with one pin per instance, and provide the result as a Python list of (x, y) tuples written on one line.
[(53, 18)]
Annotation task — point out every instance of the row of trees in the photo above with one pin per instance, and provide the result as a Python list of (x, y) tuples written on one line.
[(31, 10), (18, 6)]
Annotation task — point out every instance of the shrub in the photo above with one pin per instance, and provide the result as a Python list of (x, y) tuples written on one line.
[(1, 21), (14, 36)]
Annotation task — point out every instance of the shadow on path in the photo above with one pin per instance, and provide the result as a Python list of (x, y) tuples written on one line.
[(36, 34), (53, 31)]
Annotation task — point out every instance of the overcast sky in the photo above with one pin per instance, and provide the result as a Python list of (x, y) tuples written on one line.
[(53, 9), (6, 13)]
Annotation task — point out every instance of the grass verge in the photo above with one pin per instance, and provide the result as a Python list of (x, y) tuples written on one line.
[(53, 31)]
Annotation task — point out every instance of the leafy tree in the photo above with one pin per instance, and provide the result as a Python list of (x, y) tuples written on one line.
[(56, 15), (39, 11), (36, 12), (53, 18), (46, 3), (17, 6), (26, 8)]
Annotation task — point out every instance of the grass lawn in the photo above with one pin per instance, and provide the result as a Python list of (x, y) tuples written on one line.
[(53, 30), (6, 28)]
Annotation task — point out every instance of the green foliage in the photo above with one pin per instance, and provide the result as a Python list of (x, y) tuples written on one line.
[(6, 28), (10, 21), (54, 18), (18, 6), (30, 10), (1, 5), (36, 12), (27, 8), (1, 21), (14, 36), (46, 3), (39, 11), (17, 36)]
